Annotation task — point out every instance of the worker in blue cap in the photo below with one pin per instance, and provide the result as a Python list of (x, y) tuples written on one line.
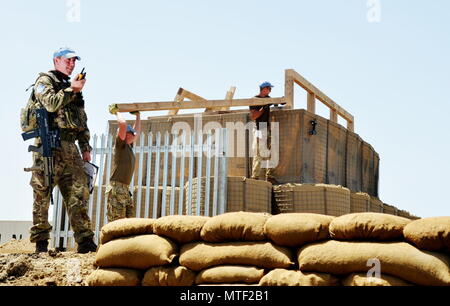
[(120, 202), (261, 115)]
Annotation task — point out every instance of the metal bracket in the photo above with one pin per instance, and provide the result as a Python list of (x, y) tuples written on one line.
[(313, 129)]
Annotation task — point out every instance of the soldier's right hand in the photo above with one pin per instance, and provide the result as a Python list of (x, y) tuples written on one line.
[(77, 86)]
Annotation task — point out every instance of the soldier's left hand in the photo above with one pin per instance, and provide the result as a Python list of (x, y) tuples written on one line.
[(87, 156)]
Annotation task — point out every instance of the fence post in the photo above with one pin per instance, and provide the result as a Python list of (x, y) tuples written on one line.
[(141, 162), (166, 168), (156, 183), (223, 171), (108, 153), (148, 178), (99, 189)]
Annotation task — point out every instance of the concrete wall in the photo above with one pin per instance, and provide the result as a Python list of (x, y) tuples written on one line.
[(18, 228)]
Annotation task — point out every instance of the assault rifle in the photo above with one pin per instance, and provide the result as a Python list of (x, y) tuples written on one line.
[(50, 139)]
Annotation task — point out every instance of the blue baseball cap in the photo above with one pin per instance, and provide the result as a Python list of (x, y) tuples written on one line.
[(265, 84), (66, 52), (131, 130)]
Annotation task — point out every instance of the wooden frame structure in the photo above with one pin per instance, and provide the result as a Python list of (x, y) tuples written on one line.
[(291, 77)]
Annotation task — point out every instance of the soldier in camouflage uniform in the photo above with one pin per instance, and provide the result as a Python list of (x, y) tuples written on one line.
[(120, 203), (64, 102)]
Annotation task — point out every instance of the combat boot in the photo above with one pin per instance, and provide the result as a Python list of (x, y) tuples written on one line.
[(42, 246), (86, 246)]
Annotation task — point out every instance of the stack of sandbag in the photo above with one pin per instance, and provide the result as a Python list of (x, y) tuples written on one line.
[(390, 246), (294, 230), (234, 250), (292, 249), (138, 251)]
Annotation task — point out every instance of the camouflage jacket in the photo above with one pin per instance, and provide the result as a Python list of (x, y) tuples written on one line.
[(52, 91)]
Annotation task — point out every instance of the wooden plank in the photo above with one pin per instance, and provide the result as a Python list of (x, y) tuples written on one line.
[(311, 105), (156, 106), (288, 89), (333, 116), (229, 96), (310, 88), (178, 98)]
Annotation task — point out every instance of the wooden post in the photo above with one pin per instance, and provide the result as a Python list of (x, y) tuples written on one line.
[(333, 115), (350, 126), (311, 105), (289, 89), (178, 98), (229, 96)]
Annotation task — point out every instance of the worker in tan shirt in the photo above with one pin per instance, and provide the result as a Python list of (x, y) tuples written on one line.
[(120, 203)]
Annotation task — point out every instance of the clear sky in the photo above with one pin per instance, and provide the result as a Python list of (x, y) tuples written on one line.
[(392, 75)]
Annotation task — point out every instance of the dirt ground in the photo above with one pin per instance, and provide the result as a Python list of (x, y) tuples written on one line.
[(20, 266)]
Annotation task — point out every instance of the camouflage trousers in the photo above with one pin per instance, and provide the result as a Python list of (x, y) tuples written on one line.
[(257, 171), (120, 203), (71, 179)]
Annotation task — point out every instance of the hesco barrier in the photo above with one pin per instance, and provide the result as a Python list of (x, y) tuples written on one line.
[(243, 194), (325, 152), (312, 198), (330, 200)]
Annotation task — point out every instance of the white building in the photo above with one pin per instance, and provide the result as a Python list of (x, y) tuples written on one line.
[(14, 230)]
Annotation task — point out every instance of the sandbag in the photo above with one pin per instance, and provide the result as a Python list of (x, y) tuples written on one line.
[(200, 255), (399, 259), (283, 277), (235, 226), (137, 252), (168, 276), (296, 229), (376, 226), (180, 228), (126, 227), (114, 277), (361, 279), (429, 233), (229, 275)]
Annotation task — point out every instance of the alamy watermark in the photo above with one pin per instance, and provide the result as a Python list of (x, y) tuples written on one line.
[(74, 11), (262, 142), (374, 11)]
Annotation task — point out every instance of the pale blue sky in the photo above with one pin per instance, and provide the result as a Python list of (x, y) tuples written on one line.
[(392, 76)]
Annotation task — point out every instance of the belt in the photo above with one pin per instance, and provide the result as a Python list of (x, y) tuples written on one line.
[(116, 183), (68, 136)]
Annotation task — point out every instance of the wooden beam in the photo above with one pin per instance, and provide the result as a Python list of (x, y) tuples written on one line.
[(178, 98), (311, 105), (288, 89), (310, 88), (157, 106), (351, 126), (229, 96), (333, 115), (190, 95)]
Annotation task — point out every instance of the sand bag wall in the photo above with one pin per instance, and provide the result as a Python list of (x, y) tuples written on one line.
[(291, 249)]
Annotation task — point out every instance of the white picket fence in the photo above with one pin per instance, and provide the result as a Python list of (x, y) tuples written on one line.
[(209, 153)]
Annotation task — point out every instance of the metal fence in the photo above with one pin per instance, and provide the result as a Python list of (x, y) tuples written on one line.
[(185, 158)]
